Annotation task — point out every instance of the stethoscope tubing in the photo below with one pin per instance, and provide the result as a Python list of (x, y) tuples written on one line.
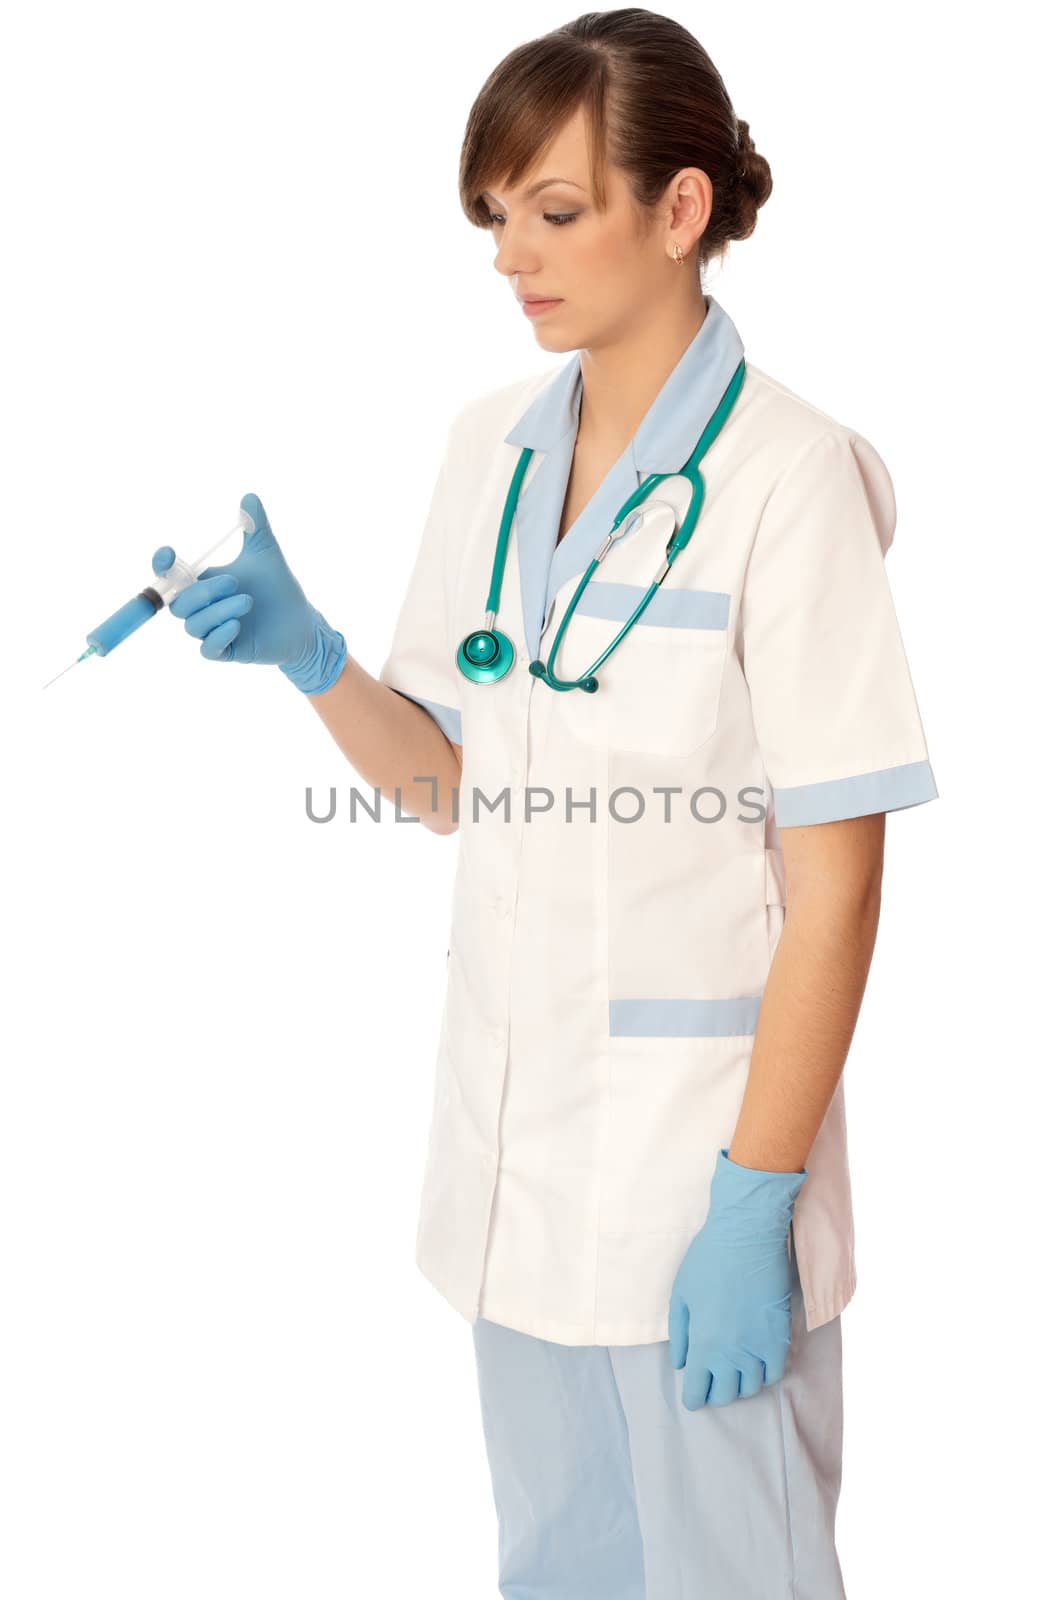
[(497, 646)]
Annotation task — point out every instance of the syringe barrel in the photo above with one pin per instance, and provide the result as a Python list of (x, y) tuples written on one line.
[(126, 620), (166, 587)]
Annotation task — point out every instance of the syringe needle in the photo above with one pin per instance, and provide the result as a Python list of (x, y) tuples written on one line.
[(90, 651)]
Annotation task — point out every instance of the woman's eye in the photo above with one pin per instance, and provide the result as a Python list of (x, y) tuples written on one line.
[(557, 218)]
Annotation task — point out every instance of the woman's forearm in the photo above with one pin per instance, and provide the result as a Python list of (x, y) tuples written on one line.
[(392, 743), (811, 1001)]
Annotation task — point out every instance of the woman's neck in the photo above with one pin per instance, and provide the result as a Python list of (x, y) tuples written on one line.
[(621, 380)]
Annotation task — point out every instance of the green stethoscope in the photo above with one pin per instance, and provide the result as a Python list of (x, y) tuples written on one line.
[(487, 655)]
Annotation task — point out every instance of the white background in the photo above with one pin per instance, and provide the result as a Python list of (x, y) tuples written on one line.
[(233, 260)]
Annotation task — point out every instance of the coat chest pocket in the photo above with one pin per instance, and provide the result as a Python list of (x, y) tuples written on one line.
[(659, 691)]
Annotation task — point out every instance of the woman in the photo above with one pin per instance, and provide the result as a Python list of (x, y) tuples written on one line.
[(668, 882)]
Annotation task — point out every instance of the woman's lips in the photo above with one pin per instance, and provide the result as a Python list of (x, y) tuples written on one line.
[(536, 308)]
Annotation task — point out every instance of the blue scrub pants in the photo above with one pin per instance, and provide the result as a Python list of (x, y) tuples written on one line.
[(608, 1488)]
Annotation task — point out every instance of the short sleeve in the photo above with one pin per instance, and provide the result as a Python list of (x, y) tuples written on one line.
[(421, 662), (832, 701)]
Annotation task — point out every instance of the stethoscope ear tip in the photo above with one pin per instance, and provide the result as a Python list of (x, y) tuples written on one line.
[(590, 684)]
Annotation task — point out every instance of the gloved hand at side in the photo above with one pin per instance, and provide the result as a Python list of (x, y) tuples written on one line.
[(253, 610), (729, 1315)]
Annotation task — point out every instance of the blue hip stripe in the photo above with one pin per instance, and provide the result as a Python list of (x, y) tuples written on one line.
[(683, 1019)]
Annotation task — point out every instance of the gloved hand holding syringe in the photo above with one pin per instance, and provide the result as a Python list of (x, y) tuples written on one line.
[(252, 609)]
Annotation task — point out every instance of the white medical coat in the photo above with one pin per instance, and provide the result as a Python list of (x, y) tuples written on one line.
[(609, 939)]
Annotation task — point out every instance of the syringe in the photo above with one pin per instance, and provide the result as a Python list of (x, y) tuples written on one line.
[(164, 588)]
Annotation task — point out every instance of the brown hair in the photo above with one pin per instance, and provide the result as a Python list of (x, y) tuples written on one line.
[(654, 102)]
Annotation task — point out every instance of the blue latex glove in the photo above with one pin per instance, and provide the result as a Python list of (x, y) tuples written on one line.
[(254, 610), (729, 1314)]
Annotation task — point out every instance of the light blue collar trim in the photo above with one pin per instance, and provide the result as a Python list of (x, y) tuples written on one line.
[(673, 424)]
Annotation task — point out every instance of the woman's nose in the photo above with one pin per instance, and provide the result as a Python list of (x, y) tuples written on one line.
[(512, 258)]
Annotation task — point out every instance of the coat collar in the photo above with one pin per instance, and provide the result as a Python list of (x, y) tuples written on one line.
[(663, 442)]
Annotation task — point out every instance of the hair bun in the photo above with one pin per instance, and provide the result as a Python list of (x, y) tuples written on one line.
[(752, 178)]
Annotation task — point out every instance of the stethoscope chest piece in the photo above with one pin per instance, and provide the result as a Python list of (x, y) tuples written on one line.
[(485, 656)]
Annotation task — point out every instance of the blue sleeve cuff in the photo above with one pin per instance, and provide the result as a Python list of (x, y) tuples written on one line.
[(447, 718), (889, 789)]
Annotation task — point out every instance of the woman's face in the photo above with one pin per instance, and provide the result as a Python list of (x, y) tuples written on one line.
[(600, 267)]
